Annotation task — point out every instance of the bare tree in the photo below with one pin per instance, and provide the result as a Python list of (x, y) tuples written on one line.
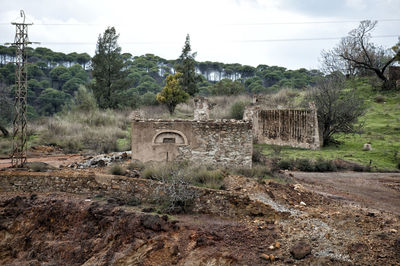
[(174, 192), (356, 53), (331, 63), (337, 109)]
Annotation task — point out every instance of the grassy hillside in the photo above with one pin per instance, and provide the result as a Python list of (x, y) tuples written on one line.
[(381, 128)]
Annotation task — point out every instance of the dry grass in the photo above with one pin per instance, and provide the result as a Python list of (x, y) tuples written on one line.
[(223, 105), (284, 98), (221, 109), (197, 175), (93, 131)]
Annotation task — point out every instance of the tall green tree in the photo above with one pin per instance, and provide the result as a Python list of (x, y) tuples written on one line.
[(172, 94), (186, 65), (109, 76)]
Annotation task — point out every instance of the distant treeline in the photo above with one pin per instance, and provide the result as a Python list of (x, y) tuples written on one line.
[(54, 77)]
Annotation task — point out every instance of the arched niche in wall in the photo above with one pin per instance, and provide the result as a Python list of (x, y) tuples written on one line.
[(170, 137)]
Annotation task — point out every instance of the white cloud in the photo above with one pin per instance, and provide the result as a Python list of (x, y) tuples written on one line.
[(218, 29)]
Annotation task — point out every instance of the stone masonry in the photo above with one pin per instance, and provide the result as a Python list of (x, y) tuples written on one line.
[(225, 143), (291, 127), (201, 109)]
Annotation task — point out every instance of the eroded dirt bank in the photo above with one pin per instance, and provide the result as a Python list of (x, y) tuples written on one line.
[(65, 229), (69, 229)]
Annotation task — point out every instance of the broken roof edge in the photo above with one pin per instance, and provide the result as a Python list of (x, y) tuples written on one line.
[(136, 119)]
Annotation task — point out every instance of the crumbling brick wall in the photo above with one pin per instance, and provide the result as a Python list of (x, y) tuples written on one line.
[(226, 143)]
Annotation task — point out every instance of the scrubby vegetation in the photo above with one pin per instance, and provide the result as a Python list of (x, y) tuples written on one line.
[(117, 169), (201, 175), (380, 126)]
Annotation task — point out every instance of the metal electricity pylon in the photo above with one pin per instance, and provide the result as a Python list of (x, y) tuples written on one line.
[(21, 41)]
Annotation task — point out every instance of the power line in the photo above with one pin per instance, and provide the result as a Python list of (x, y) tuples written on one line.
[(308, 39), (231, 41), (234, 24), (311, 22)]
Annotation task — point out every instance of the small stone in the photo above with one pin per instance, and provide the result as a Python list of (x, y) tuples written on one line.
[(277, 244), (271, 247), (271, 257), (367, 147), (299, 187), (264, 256), (300, 250), (396, 246), (303, 203), (393, 231)]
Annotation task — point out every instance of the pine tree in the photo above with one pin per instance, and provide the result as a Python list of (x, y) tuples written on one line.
[(108, 74), (186, 66)]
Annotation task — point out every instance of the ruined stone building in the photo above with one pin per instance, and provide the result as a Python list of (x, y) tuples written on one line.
[(224, 143), (286, 127)]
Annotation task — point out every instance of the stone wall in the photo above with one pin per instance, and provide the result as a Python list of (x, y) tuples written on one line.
[(291, 127), (208, 201), (201, 109), (224, 143)]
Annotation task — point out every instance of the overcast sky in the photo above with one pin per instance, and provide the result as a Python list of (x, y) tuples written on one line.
[(289, 33)]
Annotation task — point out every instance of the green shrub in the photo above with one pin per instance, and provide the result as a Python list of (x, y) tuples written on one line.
[(136, 165), (325, 166), (286, 164), (117, 169), (257, 156), (38, 167), (159, 172), (148, 173), (304, 165), (133, 201), (237, 110), (380, 99), (257, 171), (206, 178), (361, 168), (276, 149), (84, 100)]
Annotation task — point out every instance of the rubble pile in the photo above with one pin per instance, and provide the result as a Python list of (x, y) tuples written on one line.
[(102, 160)]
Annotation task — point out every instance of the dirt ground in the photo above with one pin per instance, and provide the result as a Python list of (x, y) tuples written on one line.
[(47, 154), (380, 191), (339, 219)]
